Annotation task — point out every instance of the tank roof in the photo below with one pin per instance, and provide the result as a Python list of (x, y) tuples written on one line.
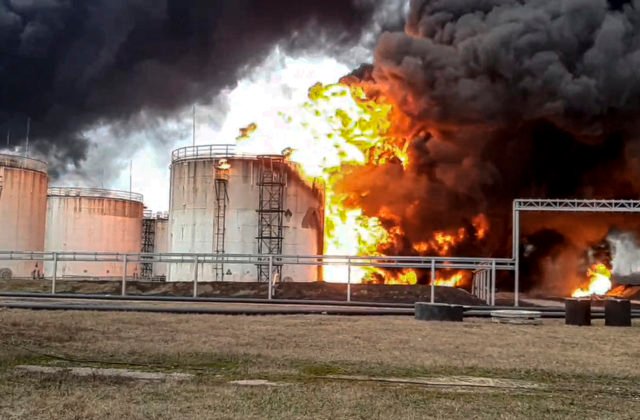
[(214, 151), (94, 192), (22, 162)]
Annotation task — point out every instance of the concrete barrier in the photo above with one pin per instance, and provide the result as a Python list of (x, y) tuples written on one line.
[(577, 311), (617, 313), (438, 312)]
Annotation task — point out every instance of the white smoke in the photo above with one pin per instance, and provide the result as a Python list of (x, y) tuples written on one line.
[(625, 252)]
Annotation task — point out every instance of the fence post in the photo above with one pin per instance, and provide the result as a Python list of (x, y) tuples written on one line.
[(488, 287), (195, 279), (55, 273), (270, 278), (348, 279), (124, 275), (433, 281), (493, 283)]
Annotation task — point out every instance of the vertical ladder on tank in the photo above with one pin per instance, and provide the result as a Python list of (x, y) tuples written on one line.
[(271, 183), (148, 245), (220, 226), (1, 180)]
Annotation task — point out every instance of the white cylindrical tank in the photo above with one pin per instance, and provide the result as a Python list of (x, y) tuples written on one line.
[(23, 204), (196, 207), (93, 220)]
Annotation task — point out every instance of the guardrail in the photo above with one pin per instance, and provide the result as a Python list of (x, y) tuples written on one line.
[(148, 214), (22, 162), (94, 193), (204, 151), (426, 263)]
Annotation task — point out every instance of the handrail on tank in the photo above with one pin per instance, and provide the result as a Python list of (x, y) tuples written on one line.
[(94, 192), (150, 214), (22, 162), (204, 151)]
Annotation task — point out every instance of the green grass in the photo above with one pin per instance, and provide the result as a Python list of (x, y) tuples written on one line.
[(565, 372)]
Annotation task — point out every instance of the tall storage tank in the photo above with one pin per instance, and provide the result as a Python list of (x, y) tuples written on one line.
[(23, 204), (93, 220), (222, 202)]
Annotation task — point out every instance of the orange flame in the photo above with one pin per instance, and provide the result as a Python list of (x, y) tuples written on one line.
[(246, 132), (345, 127), (443, 243), (455, 280), (481, 225), (599, 282)]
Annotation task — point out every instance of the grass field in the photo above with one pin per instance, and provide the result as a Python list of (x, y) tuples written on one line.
[(319, 367)]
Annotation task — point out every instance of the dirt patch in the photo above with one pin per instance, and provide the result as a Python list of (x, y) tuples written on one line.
[(447, 381), (257, 382), (105, 373)]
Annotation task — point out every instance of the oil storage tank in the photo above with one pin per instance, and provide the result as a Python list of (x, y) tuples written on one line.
[(23, 203), (227, 203), (93, 220)]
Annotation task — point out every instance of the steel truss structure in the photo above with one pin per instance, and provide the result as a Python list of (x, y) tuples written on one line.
[(271, 183), (558, 205)]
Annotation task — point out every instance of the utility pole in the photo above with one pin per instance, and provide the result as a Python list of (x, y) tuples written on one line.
[(194, 125), (26, 150), (130, 177)]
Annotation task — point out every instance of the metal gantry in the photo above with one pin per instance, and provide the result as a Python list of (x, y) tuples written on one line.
[(271, 184), (574, 205), (560, 205)]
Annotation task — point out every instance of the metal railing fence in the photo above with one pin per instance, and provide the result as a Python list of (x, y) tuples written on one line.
[(489, 266), (94, 193)]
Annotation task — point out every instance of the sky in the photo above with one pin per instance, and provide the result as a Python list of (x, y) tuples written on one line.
[(278, 85)]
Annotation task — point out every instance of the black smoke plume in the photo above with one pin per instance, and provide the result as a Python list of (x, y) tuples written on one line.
[(71, 64), (515, 98)]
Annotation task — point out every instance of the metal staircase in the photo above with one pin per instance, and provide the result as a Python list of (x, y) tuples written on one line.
[(148, 244), (271, 182)]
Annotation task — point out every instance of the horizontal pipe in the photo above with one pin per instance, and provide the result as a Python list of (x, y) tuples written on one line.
[(243, 258), (470, 309), (264, 311), (212, 311), (147, 298)]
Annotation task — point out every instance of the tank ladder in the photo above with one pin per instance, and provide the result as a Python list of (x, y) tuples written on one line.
[(222, 198), (148, 245), (271, 183)]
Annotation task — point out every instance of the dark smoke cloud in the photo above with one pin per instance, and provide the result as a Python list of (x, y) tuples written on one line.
[(72, 64), (515, 99)]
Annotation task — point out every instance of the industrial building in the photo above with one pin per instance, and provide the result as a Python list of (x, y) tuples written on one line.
[(93, 220), (155, 239), (23, 203), (226, 203)]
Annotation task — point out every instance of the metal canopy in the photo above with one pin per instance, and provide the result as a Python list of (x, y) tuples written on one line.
[(560, 205), (619, 206)]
